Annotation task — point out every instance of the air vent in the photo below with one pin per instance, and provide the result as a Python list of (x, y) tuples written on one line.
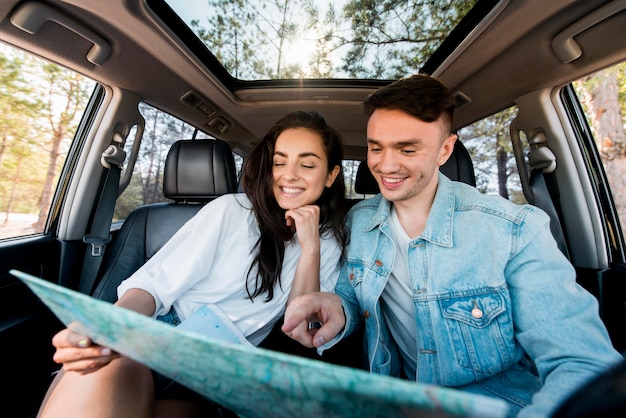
[(191, 99)]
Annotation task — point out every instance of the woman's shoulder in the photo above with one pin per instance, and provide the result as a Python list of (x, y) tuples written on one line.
[(233, 204)]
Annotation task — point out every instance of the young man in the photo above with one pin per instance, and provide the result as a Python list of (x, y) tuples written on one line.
[(455, 288)]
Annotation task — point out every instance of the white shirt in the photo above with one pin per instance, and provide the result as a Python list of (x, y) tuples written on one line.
[(207, 261), (399, 310)]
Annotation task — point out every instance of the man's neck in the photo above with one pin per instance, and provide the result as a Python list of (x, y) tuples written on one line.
[(413, 213)]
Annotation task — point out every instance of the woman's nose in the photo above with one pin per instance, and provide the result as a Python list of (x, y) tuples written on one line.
[(291, 172)]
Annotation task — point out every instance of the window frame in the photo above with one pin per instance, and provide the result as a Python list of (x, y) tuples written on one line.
[(613, 233)]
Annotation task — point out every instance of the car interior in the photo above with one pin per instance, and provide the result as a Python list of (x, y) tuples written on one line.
[(150, 58)]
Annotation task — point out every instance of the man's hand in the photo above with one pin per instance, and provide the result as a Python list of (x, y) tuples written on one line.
[(321, 307)]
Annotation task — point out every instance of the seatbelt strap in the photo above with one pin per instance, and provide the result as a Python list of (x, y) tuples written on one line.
[(543, 163), (543, 199), (98, 237)]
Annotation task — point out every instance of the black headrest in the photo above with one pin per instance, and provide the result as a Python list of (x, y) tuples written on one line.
[(459, 167), (199, 170), (365, 183)]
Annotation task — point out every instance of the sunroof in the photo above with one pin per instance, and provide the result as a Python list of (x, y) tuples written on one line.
[(308, 40)]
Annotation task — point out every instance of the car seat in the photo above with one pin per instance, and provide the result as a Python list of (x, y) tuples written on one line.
[(196, 172)]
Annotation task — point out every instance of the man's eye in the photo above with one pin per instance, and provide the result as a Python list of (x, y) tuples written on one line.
[(307, 166), (374, 149), (408, 151)]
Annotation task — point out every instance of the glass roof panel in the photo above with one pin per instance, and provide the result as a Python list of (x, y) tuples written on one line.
[(325, 39)]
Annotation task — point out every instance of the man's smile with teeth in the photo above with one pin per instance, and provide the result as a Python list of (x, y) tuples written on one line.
[(392, 180)]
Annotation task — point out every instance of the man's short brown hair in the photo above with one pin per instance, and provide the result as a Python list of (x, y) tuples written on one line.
[(419, 95)]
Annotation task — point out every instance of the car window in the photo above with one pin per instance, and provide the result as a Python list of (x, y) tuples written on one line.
[(41, 105), (146, 183), (603, 99), (488, 143), (350, 168)]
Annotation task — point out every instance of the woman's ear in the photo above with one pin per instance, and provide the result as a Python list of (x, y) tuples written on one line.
[(332, 175)]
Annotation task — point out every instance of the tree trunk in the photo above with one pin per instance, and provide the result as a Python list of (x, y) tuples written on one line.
[(48, 189), (502, 158)]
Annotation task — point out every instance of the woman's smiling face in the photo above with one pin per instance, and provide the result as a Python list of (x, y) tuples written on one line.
[(300, 168)]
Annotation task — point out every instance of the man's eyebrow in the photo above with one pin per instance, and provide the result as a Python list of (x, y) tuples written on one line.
[(399, 144)]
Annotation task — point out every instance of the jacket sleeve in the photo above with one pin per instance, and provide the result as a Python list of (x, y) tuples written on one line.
[(556, 321), (349, 302)]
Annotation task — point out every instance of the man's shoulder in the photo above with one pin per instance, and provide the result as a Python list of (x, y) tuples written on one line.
[(468, 198), (365, 206)]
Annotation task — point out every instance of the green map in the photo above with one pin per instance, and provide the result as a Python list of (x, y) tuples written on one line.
[(251, 381)]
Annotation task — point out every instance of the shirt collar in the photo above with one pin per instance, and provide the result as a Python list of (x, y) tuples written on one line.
[(438, 229)]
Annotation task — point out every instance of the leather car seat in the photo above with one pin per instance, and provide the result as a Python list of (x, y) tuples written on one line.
[(196, 172)]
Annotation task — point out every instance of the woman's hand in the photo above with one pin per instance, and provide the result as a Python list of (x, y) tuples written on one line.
[(77, 353), (306, 220)]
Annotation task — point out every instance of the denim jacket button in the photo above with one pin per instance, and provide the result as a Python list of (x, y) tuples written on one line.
[(366, 314), (378, 263), (477, 313), (351, 277)]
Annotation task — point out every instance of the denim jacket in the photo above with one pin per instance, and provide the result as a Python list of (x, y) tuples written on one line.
[(498, 311)]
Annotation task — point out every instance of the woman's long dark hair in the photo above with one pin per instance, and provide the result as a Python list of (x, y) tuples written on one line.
[(258, 184)]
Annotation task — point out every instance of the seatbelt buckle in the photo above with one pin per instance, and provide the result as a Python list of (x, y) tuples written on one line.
[(97, 244), (113, 156)]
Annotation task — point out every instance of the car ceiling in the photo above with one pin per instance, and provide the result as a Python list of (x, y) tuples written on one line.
[(507, 56)]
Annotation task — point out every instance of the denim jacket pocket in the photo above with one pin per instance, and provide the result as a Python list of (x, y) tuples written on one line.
[(355, 275), (481, 330)]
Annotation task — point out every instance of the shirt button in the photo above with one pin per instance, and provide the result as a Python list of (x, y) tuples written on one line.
[(477, 313), (366, 314), (378, 263)]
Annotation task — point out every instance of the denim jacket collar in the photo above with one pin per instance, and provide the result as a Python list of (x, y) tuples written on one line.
[(438, 229)]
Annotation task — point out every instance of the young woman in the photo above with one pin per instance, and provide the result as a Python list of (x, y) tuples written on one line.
[(247, 255)]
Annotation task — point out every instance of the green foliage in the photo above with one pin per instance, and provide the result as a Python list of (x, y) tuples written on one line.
[(39, 110), (489, 144), (394, 38), (296, 39)]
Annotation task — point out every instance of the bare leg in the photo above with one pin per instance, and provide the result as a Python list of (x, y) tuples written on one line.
[(121, 389)]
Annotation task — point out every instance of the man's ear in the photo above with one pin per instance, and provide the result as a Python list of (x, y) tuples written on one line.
[(446, 149), (330, 179)]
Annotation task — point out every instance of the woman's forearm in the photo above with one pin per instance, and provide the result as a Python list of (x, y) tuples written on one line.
[(307, 277), (138, 300)]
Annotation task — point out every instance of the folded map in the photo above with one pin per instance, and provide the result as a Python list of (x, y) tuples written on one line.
[(252, 381)]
